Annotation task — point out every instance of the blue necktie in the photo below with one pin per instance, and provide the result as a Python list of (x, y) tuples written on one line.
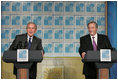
[(29, 43)]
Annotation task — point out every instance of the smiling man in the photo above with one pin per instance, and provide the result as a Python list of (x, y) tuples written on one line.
[(28, 41), (92, 41)]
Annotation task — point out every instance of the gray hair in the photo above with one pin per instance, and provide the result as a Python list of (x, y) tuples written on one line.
[(32, 23), (94, 23)]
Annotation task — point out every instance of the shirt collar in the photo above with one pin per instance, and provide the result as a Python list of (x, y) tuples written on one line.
[(29, 37), (94, 35)]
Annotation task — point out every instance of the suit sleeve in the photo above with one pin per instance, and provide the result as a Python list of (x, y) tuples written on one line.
[(108, 44), (14, 44), (82, 47), (40, 46)]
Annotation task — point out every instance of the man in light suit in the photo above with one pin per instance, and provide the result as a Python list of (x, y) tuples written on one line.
[(92, 41), (28, 41)]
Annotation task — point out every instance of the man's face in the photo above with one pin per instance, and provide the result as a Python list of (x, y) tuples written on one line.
[(92, 29), (31, 29)]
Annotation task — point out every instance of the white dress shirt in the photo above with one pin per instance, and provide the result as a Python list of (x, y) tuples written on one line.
[(28, 38), (95, 38)]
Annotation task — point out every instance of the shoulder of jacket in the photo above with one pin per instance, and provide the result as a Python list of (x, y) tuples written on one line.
[(85, 36)]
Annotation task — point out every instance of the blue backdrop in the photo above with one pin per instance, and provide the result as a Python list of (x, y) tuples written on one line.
[(112, 32)]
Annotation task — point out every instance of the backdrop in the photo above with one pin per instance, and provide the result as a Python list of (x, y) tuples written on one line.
[(60, 26)]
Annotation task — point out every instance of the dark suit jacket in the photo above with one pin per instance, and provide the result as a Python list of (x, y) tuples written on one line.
[(19, 42), (86, 45)]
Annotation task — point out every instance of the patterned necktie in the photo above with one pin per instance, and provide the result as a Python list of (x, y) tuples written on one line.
[(94, 45), (29, 43)]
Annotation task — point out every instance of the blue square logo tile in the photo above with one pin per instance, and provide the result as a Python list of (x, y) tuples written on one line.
[(90, 7), (69, 48), (16, 6), (58, 48), (5, 20), (79, 7), (26, 19), (4, 47), (37, 6), (69, 20), (58, 20), (59, 7), (5, 6), (79, 33), (79, 21), (15, 20), (39, 34), (100, 7), (48, 7), (27, 6), (5, 34), (48, 48), (101, 21), (14, 33), (69, 34), (69, 7), (48, 34), (48, 20), (37, 20), (58, 34)]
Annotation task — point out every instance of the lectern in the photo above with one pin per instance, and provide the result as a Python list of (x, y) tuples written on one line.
[(23, 67), (102, 67)]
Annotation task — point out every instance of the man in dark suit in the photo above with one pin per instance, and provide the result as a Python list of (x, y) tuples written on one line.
[(28, 41), (92, 41)]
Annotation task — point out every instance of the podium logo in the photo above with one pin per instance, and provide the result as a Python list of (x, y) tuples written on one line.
[(22, 54)]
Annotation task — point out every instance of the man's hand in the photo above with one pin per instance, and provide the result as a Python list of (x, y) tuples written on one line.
[(83, 55), (42, 53)]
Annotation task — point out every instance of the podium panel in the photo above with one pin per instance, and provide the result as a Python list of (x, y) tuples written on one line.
[(23, 67), (102, 67)]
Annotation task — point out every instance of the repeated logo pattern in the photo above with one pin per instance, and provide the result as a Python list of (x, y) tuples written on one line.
[(59, 24)]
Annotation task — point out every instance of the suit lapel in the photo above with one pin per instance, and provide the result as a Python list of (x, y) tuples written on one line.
[(90, 42), (33, 42), (25, 40), (98, 42)]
